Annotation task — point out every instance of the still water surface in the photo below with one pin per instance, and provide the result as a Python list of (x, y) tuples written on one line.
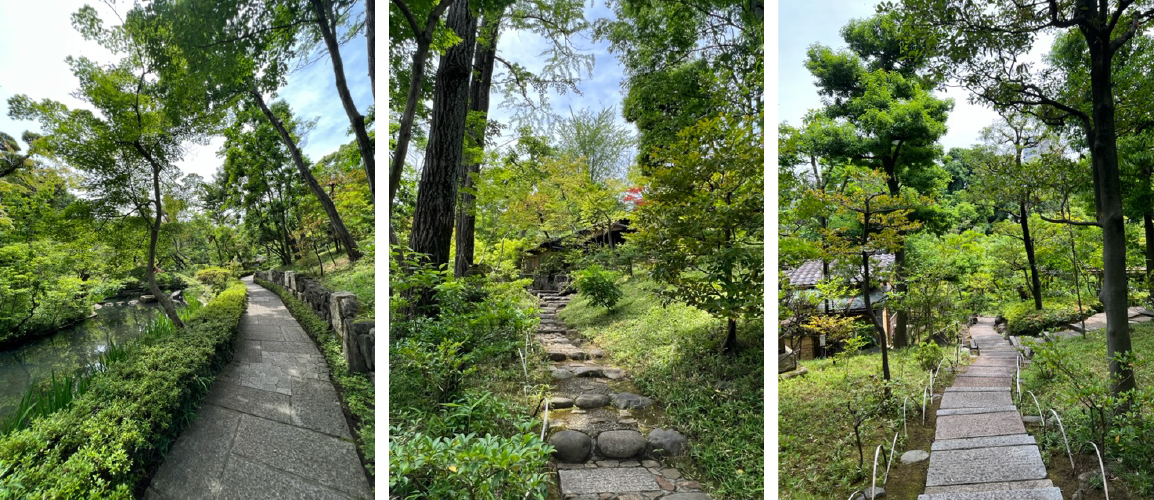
[(69, 349)]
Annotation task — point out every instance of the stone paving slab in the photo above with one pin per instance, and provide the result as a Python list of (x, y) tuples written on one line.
[(985, 465), (980, 371), (964, 381), (1052, 493), (979, 425), (271, 425), (975, 399), (1003, 486), (611, 480), (982, 442), (974, 411), (978, 389)]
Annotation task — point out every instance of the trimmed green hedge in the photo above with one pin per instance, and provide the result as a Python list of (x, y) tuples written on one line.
[(109, 440), (1022, 319), (356, 390)]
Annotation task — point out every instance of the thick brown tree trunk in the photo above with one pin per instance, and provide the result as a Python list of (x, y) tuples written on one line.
[(437, 191), (341, 233), (1108, 198), (327, 25), (479, 90), (424, 36), (1035, 282)]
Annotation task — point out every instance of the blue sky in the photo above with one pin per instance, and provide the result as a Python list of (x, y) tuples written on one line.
[(599, 90), (36, 37)]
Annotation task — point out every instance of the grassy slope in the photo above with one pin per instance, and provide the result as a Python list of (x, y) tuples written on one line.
[(714, 399), (359, 278), (1090, 353), (817, 451)]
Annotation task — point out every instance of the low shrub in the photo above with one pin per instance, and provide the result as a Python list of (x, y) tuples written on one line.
[(928, 354), (467, 465), (215, 277), (104, 444), (1023, 320), (599, 285)]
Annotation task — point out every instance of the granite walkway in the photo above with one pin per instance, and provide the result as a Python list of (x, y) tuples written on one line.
[(603, 452), (981, 450), (271, 425)]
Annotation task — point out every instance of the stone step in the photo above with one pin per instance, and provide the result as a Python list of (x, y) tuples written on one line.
[(985, 465), (975, 411), (975, 399), (982, 442), (979, 425), (1051, 493), (1008, 487)]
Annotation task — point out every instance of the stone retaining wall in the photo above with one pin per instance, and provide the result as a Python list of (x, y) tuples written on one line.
[(339, 309)]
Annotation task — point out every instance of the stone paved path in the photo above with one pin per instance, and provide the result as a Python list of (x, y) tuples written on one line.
[(981, 449), (271, 426), (1098, 321), (603, 453)]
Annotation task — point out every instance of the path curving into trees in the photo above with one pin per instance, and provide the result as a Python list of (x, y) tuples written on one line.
[(271, 426)]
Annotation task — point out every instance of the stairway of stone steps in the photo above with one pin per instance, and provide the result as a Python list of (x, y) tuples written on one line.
[(602, 451), (981, 450)]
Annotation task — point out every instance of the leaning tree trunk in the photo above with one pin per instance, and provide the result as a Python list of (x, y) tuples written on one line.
[(1035, 282), (1108, 197), (342, 233), (437, 192), (364, 144), (153, 236), (478, 101)]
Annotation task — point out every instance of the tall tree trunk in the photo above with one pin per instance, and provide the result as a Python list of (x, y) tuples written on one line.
[(1108, 198), (479, 90), (327, 23), (437, 192), (371, 40), (342, 234), (424, 36), (1035, 282), (153, 236), (1148, 225), (901, 336)]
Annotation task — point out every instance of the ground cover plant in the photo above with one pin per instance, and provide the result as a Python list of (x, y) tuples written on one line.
[(673, 354), (1070, 377), (354, 389), (823, 415), (463, 389), (106, 442)]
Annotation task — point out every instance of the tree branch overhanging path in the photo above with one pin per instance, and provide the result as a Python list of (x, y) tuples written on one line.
[(981, 52)]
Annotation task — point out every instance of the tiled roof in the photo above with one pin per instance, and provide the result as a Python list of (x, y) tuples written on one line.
[(808, 274)]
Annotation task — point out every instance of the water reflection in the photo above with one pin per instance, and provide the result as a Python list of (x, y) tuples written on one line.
[(70, 348)]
